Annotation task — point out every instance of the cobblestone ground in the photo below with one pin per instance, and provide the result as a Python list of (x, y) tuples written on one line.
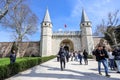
[(51, 71)]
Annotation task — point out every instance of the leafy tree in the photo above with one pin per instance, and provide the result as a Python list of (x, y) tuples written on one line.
[(117, 33), (108, 37)]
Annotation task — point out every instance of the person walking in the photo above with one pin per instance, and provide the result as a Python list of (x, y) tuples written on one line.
[(58, 58), (71, 55), (62, 56), (85, 56), (75, 56), (67, 55), (80, 57), (116, 53), (12, 57), (106, 54), (111, 60), (100, 58)]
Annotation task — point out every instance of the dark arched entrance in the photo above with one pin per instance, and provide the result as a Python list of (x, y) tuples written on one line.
[(66, 48), (67, 44)]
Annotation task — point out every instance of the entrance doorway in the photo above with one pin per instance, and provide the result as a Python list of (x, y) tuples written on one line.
[(67, 44), (66, 48)]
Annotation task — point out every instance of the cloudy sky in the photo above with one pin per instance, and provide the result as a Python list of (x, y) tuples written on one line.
[(67, 12)]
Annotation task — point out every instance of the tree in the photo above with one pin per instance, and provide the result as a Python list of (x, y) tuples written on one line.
[(117, 33), (108, 35), (21, 21), (108, 28), (113, 32), (5, 4)]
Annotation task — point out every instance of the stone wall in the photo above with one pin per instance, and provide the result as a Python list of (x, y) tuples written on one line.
[(26, 49)]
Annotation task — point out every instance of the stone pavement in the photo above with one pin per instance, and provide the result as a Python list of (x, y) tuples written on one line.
[(51, 71)]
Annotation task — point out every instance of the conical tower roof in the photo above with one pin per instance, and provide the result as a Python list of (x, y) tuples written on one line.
[(47, 17), (84, 17)]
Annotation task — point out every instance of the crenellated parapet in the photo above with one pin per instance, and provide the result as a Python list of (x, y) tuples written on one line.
[(66, 33)]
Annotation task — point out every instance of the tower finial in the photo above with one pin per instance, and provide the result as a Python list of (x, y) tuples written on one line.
[(84, 16), (47, 16)]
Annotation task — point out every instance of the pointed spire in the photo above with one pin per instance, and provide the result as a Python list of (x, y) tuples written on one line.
[(47, 17), (84, 17)]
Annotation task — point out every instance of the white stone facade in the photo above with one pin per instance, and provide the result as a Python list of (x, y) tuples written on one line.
[(66, 38), (74, 40)]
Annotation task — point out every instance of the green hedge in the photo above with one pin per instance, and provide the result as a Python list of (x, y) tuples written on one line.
[(44, 59), (21, 64), (90, 57)]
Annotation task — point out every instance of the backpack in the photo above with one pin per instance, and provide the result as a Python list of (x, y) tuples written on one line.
[(62, 55)]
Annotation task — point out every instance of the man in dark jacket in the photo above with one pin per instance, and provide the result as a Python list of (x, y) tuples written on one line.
[(101, 58), (105, 51), (67, 55), (80, 57), (62, 56), (106, 54), (85, 56), (116, 53), (12, 57)]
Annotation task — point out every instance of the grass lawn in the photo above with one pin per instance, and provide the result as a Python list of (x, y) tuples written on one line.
[(5, 61)]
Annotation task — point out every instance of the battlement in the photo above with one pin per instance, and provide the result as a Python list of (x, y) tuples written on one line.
[(60, 33)]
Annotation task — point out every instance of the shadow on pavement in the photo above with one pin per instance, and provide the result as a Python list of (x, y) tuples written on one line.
[(102, 70), (77, 76)]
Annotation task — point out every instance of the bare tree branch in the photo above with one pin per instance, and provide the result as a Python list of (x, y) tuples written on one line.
[(5, 4), (22, 21), (108, 27)]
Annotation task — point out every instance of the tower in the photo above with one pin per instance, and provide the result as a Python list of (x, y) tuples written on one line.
[(46, 35), (86, 33)]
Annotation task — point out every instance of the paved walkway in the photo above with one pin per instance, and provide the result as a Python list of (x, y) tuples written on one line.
[(51, 71)]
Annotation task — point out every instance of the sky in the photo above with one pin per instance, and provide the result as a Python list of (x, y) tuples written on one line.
[(66, 12)]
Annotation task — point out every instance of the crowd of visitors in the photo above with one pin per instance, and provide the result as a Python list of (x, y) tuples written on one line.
[(109, 58), (64, 55)]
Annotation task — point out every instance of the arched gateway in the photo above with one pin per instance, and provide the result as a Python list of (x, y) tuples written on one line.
[(68, 39), (67, 44), (71, 40)]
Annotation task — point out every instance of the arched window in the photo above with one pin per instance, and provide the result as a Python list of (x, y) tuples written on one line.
[(45, 24), (83, 24)]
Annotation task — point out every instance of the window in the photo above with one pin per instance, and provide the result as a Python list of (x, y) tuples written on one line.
[(45, 24), (83, 24), (87, 23)]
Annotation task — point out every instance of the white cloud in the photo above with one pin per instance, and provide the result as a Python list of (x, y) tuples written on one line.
[(79, 4), (77, 8), (95, 9), (60, 29)]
